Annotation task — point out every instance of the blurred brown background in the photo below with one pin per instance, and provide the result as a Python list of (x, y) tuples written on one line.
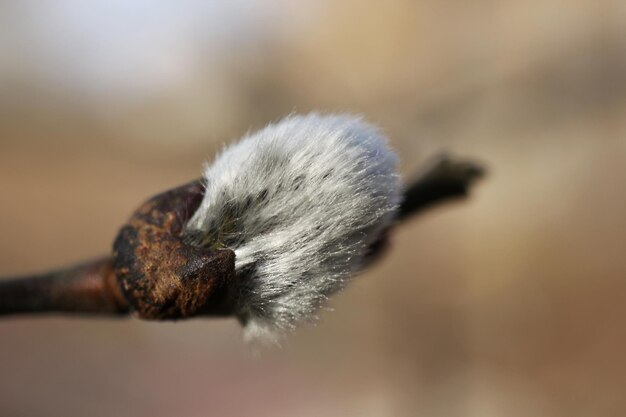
[(509, 304)]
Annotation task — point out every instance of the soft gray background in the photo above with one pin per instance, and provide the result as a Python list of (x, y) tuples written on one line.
[(511, 304)]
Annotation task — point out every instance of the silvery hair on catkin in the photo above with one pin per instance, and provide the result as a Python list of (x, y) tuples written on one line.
[(299, 203)]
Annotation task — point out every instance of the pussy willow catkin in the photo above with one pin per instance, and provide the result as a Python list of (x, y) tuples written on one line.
[(299, 202)]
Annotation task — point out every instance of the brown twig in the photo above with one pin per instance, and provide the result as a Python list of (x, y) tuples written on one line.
[(155, 274), (89, 288), (442, 179)]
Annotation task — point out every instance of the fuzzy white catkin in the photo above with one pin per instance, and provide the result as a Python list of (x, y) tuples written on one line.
[(299, 202)]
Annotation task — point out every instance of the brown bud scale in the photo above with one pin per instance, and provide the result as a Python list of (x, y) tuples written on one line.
[(162, 276)]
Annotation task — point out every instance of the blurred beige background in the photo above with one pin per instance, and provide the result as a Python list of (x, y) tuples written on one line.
[(509, 304)]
